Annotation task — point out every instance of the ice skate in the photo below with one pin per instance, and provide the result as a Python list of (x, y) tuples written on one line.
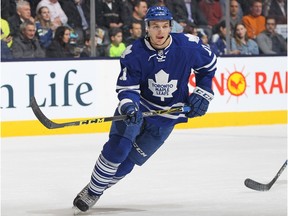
[(84, 201)]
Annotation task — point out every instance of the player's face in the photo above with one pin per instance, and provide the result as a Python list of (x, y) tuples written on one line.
[(158, 32)]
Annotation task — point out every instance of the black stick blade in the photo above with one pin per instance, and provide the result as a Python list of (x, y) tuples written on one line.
[(264, 187), (256, 185), (41, 117)]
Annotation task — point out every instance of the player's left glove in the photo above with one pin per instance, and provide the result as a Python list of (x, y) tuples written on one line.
[(199, 101), (129, 108)]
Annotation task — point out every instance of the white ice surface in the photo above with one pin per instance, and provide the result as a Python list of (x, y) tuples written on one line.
[(197, 172)]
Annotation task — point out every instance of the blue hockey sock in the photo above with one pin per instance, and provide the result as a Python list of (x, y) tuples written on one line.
[(102, 175)]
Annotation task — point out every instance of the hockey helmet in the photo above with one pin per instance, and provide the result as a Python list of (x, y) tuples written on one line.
[(158, 13)]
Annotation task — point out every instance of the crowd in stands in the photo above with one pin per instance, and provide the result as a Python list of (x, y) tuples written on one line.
[(61, 28)]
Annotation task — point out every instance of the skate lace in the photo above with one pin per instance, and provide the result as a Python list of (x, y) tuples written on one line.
[(84, 191), (89, 200)]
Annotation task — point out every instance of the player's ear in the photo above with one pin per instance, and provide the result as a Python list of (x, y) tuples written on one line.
[(146, 26)]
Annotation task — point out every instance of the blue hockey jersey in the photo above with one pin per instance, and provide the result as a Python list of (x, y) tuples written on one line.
[(158, 79)]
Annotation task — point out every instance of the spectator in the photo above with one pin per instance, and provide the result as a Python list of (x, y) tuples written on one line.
[(191, 29), (58, 16), (254, 22), (235, 17), (135, 33), (26, 44), (8, 8), (218, 41), (23, 14), (223, 8), (60, 47), (78, 14), (266, 7), (5, 32), (6, 40), (212, 11), (33, 5), (116, 47), (138, 14), (241, 44), (203, 37), (196, 16), (108, 14), (269, 41), (245, 6), (178, 10), (126, 11), (278, 9), (5, 51), (86, 52), (44, 27)]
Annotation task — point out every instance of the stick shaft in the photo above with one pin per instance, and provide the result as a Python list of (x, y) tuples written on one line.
[(53, 125)]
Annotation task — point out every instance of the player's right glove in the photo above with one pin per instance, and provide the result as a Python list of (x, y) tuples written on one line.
[(199, 101), (129, 108)]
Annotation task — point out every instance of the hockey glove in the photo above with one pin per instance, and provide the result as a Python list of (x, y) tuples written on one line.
[(134, 115), (199, 101)]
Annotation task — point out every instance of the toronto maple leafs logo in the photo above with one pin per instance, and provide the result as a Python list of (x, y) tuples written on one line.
[(161, 87)]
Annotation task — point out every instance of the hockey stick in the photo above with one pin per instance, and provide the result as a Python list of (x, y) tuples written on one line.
[(53, 125), (264, 187)]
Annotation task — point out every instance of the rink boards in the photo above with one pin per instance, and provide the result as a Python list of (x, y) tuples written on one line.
[(248, 91)]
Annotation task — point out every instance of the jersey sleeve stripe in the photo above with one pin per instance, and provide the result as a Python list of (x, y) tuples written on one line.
[(134, 87), (208, 65)]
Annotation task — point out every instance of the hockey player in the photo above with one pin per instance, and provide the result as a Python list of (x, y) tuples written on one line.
[(155, 71)]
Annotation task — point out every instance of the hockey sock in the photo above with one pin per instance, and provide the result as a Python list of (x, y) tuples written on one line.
[(124, 168), (102, 175)]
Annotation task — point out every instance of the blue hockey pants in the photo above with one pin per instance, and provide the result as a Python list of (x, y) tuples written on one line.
[(130, 145)]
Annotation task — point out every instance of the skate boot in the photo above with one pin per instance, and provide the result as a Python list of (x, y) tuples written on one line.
[(84, 201)]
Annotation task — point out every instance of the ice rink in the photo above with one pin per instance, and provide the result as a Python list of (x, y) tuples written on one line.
[(197, 172)]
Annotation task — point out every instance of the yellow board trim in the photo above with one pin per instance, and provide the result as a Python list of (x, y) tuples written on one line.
[(35, 128)]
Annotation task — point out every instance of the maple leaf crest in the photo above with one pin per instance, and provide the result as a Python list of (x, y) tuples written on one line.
[(162, 87), (126, 51)]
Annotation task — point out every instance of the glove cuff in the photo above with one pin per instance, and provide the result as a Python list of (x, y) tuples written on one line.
[(122, 102), (203, 93)]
